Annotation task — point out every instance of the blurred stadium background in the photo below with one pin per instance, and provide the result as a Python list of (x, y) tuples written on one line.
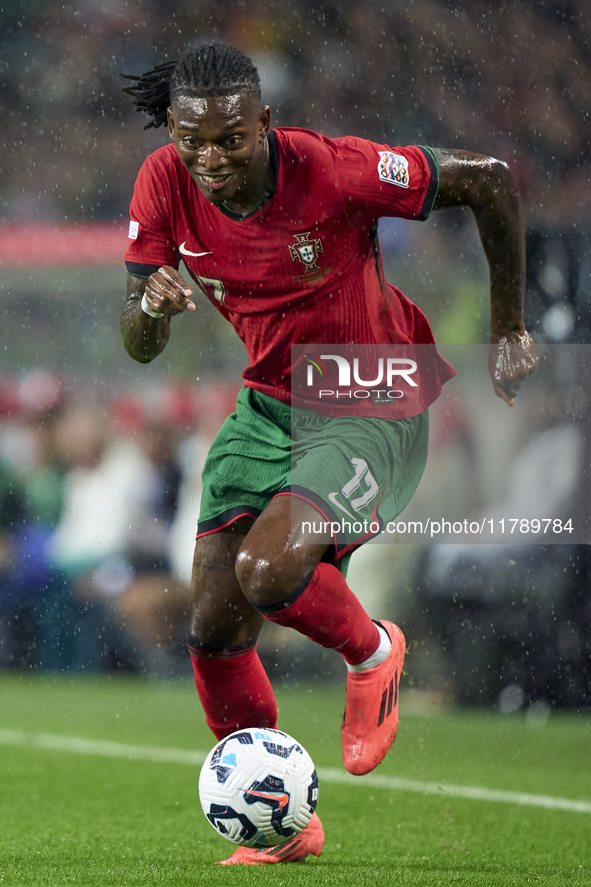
[(100, 458)]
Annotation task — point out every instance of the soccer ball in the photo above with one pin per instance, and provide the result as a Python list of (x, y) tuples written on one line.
[(258, 787)]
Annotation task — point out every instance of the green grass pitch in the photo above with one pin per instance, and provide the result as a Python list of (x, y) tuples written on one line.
[(86, 818)]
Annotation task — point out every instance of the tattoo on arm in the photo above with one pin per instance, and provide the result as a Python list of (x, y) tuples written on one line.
[(143, 337)]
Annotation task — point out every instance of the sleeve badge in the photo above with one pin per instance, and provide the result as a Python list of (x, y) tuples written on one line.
[(134, 228), (393, 168)]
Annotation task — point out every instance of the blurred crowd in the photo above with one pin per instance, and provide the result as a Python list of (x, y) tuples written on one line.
[(98, 514), (510, 78)]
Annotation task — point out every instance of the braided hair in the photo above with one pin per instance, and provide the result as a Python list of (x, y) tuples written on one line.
[(213, 69)]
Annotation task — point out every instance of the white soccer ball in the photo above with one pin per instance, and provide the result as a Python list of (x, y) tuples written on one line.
[(258, 787)]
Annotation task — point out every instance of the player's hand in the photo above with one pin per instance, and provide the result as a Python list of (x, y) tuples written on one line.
[(168, 293), (511, 359)]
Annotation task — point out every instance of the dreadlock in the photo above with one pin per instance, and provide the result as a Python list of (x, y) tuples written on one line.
[(213, 69)]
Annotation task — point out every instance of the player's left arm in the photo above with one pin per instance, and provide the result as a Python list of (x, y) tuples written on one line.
[(488, 188)]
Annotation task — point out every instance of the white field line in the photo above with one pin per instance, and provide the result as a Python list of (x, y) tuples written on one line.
[(78, 745)]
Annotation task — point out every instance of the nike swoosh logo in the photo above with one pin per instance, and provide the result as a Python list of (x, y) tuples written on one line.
[(335, 501), (187, 252), (269, 796)]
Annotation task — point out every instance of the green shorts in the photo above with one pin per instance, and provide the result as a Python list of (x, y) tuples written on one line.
[(359, 473)]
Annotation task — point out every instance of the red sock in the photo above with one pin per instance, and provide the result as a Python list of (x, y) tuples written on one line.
[(234, 690), (328, 613)]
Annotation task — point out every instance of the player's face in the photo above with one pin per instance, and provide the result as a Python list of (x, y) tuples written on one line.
[(222, 143)]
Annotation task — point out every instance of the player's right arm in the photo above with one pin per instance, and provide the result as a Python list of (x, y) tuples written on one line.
[(165, 292)]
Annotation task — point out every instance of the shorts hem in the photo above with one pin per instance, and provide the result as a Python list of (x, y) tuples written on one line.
[(225, 519)]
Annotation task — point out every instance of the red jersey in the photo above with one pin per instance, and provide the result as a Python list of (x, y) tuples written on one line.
[(305, 267)]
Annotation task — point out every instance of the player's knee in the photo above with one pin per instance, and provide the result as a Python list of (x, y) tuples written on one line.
[(226, 623), (262, 580)]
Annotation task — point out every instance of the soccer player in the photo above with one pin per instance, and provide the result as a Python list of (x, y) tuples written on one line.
[(277, 228)]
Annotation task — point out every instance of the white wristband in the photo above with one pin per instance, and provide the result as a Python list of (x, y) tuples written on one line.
[(147, 310)]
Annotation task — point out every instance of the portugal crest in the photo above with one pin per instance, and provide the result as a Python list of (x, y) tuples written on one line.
[(306, 250)]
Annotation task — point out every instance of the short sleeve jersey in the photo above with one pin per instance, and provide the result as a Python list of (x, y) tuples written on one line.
[(305, 267)]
